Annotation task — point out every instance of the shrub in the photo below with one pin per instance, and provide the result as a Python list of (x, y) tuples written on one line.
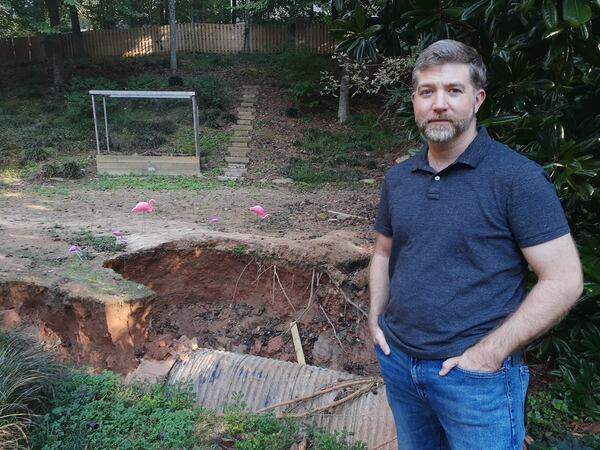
[(27, 374), (305, 93), (35, 154), (209, 91), (78, 103), (71, 169), (99, 412)]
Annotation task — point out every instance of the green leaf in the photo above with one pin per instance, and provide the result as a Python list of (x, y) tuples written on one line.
[(454, 12), (475, 8), (576, 12), (360, 17), (500, 120), (551, 33), (550, 14)]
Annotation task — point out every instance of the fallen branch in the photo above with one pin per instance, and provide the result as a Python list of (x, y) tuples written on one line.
[(339, 385), (352, 396), (334, 331), (346, 215)]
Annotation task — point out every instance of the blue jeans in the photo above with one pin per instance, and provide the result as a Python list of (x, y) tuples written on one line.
[(463, 410)]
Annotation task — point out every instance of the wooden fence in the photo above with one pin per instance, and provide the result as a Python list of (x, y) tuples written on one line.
[(191, 37)]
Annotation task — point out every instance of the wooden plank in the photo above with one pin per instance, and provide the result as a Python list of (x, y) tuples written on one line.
[(140, 165), (297, 344), (138, 158)]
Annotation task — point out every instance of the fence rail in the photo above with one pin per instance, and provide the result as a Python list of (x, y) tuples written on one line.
[(191, 37)]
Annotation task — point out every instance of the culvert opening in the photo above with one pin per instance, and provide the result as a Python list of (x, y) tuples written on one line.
[(240, 301)]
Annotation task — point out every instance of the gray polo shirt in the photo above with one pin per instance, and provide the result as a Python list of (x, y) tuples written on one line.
[(456, 269)]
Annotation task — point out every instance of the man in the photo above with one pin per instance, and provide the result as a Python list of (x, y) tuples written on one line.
[(457, 226)]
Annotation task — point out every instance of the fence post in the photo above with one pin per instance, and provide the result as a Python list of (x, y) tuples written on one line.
[(246, 47)]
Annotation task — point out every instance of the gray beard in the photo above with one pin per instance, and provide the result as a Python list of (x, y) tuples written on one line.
[(446, 132)]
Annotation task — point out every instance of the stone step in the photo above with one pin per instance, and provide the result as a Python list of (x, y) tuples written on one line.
[(237, 155), (231, 178), (234, 172), (247, 105), (236, 166), (239, 145), (241, 133), (237, 159), (244, 122), (240, 138), (242, 127), (246, 117), (249, 86), (238, 152), (238, 149), (249, 98), (247, 109)]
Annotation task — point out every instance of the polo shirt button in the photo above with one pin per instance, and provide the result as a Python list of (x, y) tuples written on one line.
[(437, 178)]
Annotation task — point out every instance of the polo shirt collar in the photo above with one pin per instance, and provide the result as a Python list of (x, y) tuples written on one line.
[(472, 155)]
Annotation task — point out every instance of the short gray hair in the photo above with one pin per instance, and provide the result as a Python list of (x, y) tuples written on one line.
[(448, 51)]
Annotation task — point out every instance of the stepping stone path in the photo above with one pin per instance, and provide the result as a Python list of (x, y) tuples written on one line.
[(240, 142)]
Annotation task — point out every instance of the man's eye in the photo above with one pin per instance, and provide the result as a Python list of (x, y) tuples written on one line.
[(426, 92), (455, 91)]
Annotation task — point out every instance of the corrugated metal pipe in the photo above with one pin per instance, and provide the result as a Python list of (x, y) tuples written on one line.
[(328, 398)]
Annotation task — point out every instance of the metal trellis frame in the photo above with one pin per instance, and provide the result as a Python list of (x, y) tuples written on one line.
[(142, 94)]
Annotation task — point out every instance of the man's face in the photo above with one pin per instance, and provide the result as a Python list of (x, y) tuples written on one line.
[(445, 102)]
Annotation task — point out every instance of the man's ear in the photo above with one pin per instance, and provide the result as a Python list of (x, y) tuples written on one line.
[(479, 98)]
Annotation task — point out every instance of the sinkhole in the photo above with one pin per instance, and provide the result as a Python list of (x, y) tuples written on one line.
[(238, 294)]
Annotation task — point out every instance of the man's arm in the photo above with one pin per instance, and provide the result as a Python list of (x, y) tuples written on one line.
[(379, 284), (560, 283)]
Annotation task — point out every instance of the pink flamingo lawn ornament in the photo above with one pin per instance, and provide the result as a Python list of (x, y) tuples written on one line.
[(260, 212), (146, 207)]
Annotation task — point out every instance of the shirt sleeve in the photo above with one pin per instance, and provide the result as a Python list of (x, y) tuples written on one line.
[(534, 211), (383, 223)]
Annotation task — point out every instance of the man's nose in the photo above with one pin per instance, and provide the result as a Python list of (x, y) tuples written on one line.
[(440, 101)]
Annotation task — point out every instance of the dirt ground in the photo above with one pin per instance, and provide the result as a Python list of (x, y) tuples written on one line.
[(77, 306), (233, 283)]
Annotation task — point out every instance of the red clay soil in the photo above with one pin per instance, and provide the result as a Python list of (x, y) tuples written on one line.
[(236, 293)]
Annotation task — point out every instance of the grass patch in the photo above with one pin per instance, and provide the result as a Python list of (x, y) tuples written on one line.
[(346, 154), (26, 377), (155, 183), (210, 141), (306, 172), (104, 281), (52, 191), (100, 243)]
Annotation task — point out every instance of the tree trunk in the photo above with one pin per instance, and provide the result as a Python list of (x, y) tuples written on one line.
[(233, 12), (344, 105), (76, 31), (54, 49), (173, 24), (334, 12)]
